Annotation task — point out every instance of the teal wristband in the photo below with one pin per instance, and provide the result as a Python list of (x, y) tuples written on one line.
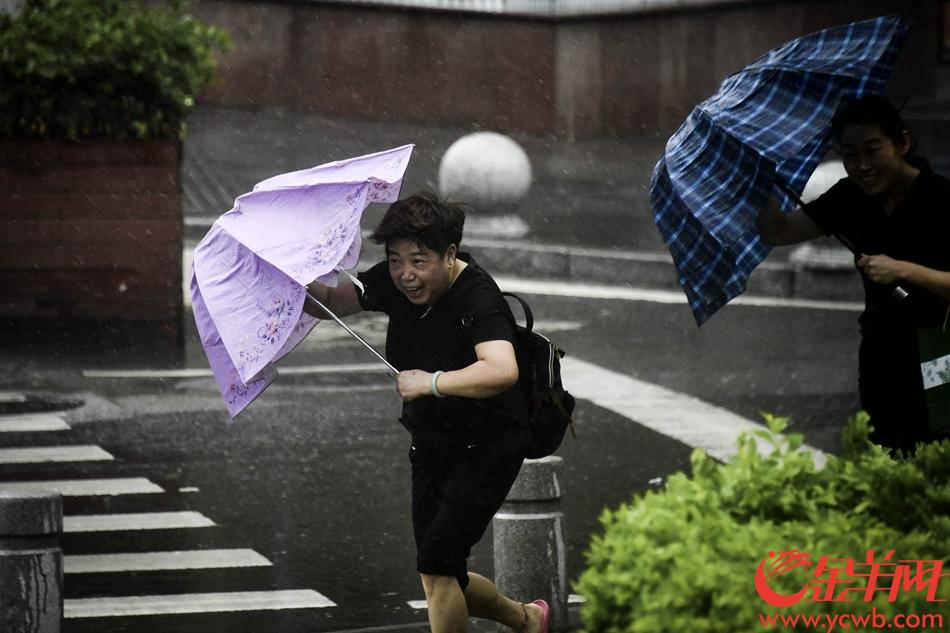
[(435, 384)]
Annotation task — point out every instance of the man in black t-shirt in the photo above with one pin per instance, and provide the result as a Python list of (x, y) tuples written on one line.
[(445, 336), (451, 336)]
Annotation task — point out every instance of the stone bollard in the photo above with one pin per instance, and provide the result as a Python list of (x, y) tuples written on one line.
[(492, 173), (530, 555), (31, 562)]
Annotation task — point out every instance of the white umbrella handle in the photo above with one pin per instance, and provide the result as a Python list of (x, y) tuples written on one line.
[(392, 370)]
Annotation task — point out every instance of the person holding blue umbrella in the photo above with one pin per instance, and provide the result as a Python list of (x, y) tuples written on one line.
[(895, 213), (760, 135), (755, 143)]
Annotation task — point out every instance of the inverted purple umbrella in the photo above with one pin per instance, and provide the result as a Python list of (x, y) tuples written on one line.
[(248, 284)]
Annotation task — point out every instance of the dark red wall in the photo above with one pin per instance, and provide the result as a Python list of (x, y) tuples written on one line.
[(91, 231), (576, 78)]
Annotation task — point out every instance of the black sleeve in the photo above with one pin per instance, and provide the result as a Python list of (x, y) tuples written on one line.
[(378, 290), (831, 209), (495, 322)]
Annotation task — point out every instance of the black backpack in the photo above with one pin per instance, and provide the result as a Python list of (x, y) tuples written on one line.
[(550, 407)]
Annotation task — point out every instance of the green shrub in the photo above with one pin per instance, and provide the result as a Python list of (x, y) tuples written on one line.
[(73, 69), (684, 558)]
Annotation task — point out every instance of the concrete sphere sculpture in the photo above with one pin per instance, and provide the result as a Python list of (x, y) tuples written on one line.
[(824, 254), (487, 170), (821, 180)]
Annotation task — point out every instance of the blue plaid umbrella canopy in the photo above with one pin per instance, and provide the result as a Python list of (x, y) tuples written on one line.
[(768, 124)]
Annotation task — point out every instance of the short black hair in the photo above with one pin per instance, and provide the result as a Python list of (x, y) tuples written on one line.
[(424, 219), (879, 111), (870, 110)]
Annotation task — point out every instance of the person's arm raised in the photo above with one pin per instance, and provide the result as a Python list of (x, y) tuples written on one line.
[(342, 300), (779, 229)]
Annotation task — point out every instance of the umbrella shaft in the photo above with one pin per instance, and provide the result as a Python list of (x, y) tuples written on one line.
[(899, 293), (359, 338)]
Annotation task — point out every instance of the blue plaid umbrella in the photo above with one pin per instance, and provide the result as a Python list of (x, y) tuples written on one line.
[(768, 125)]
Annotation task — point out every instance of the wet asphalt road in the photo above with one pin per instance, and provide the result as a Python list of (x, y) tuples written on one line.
[(315, 476)]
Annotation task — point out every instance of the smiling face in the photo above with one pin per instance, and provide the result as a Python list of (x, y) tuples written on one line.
[(873, 161), (421, 274)]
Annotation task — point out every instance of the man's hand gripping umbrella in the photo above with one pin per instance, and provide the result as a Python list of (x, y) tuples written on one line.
[(315, 307)]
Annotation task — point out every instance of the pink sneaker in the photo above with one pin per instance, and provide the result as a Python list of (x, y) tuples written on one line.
[(546, 614)]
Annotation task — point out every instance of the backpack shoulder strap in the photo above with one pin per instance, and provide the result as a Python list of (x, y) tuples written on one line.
[(467, 319), (528, 315)]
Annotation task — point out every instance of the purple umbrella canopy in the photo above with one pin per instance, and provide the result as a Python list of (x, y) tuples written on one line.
[(251, 270)]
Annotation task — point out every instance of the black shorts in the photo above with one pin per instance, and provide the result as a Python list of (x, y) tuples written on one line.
[(455, 494)]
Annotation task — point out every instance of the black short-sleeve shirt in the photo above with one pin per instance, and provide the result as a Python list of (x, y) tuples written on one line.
[(917, 230), (443, 337)]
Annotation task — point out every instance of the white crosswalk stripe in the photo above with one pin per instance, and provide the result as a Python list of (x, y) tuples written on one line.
[(32, 422), (78, 565), (135, 521), (157, 561), (87, 487), (195, 603), (40, 454), (572, 599)]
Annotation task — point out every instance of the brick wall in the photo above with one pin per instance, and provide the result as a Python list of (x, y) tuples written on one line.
[(91, 232), (574, 77)]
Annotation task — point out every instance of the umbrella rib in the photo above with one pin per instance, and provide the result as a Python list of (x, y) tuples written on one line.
[(359, 338)]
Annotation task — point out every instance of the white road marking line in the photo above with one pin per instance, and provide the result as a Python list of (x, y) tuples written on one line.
[(146, 373), (340, 389), (200, 221), (355, 368), (135, 521), (511, 226), (195, 603), (87, 487), (159, 561), (42, 454), (679, 416), (536, 516), (26, 422), (596, 291), (556, 326), (567, 249), (422, 604)]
